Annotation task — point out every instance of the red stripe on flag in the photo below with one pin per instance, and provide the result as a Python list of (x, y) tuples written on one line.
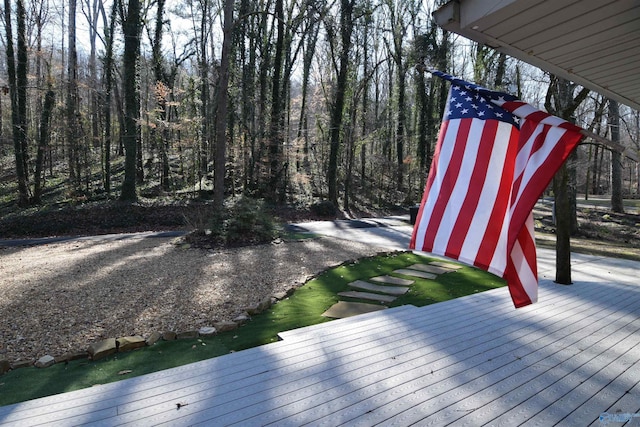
[(518, 295), (500, 209), (476, 183), (448, 183), (432, 175), (526, 132), (522, 267), (540, 178)]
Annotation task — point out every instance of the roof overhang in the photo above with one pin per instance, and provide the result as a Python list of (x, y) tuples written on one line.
[(595, 43)]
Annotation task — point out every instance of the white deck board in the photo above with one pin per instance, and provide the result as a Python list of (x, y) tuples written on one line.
[(470, 361)]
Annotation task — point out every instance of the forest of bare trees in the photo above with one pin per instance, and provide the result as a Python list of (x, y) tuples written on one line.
[(293, 101)]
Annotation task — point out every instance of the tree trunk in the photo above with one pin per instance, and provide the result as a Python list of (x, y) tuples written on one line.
[(72, 99), (131, 138), (564, 105), (617, 203), (365, 102), (346, 28), (562, 206), (422, 101), (93, 13), (43, 141), (222, 106), (594, 178), (400, 129), (17, 89), (350, 148), (22, 73), (108, 82), (572, 170), (306, 72), (587, 180), (399, 33), (204, 93), (163, 91), (276, 137)]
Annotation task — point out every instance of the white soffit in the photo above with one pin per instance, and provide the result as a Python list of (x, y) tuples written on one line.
[(595, 43)]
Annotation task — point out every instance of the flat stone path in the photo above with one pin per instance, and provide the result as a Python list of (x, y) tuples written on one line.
[(368, 296), (343, 309), (391, 290), (385, 289), (416, 273), (430, 268), (391, 280)]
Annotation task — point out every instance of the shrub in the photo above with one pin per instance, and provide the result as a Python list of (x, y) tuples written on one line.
[(325, 209), (242, 221), (248, 222)]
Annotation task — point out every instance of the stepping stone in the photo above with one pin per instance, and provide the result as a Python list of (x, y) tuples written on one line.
[(391, 290), (447, 265), (367, 295), (416, 273), (392, 280), (344, 309), (430, 268)]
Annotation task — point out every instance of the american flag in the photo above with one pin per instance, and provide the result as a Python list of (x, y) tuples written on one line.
[(494, 157)]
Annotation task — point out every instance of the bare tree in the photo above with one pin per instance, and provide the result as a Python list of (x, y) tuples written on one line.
[(341, 69), (222, 106), (43, 138), (131, 25), (560, 101), (17, 74), (72, 99), (617, 203)]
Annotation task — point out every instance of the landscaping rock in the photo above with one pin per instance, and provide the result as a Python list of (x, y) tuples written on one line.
[(68, 357), (154, 338), (281, 295), (21, 364), (225, 326), (130, 343), (186, 335), (242, 319), (207, 331), (60, 359), (252, 311), (4, 366), (260, 306), (102, 349), (45, 361), (169, 336), (265, 304)]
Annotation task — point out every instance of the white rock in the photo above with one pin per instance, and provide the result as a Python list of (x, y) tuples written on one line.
[(207, 331), (45, 361)]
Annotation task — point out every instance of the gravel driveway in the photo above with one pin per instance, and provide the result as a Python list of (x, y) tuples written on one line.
[(58, 298)]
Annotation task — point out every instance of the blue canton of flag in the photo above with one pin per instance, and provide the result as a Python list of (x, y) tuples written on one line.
[(469, 101)]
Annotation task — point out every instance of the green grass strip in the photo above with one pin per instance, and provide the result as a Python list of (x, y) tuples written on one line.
[(303, 308)]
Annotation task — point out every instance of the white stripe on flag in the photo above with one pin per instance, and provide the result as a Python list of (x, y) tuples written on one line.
[(459, 191), (488, 198)]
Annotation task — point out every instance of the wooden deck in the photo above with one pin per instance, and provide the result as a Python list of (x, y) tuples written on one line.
[(471, 361)]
